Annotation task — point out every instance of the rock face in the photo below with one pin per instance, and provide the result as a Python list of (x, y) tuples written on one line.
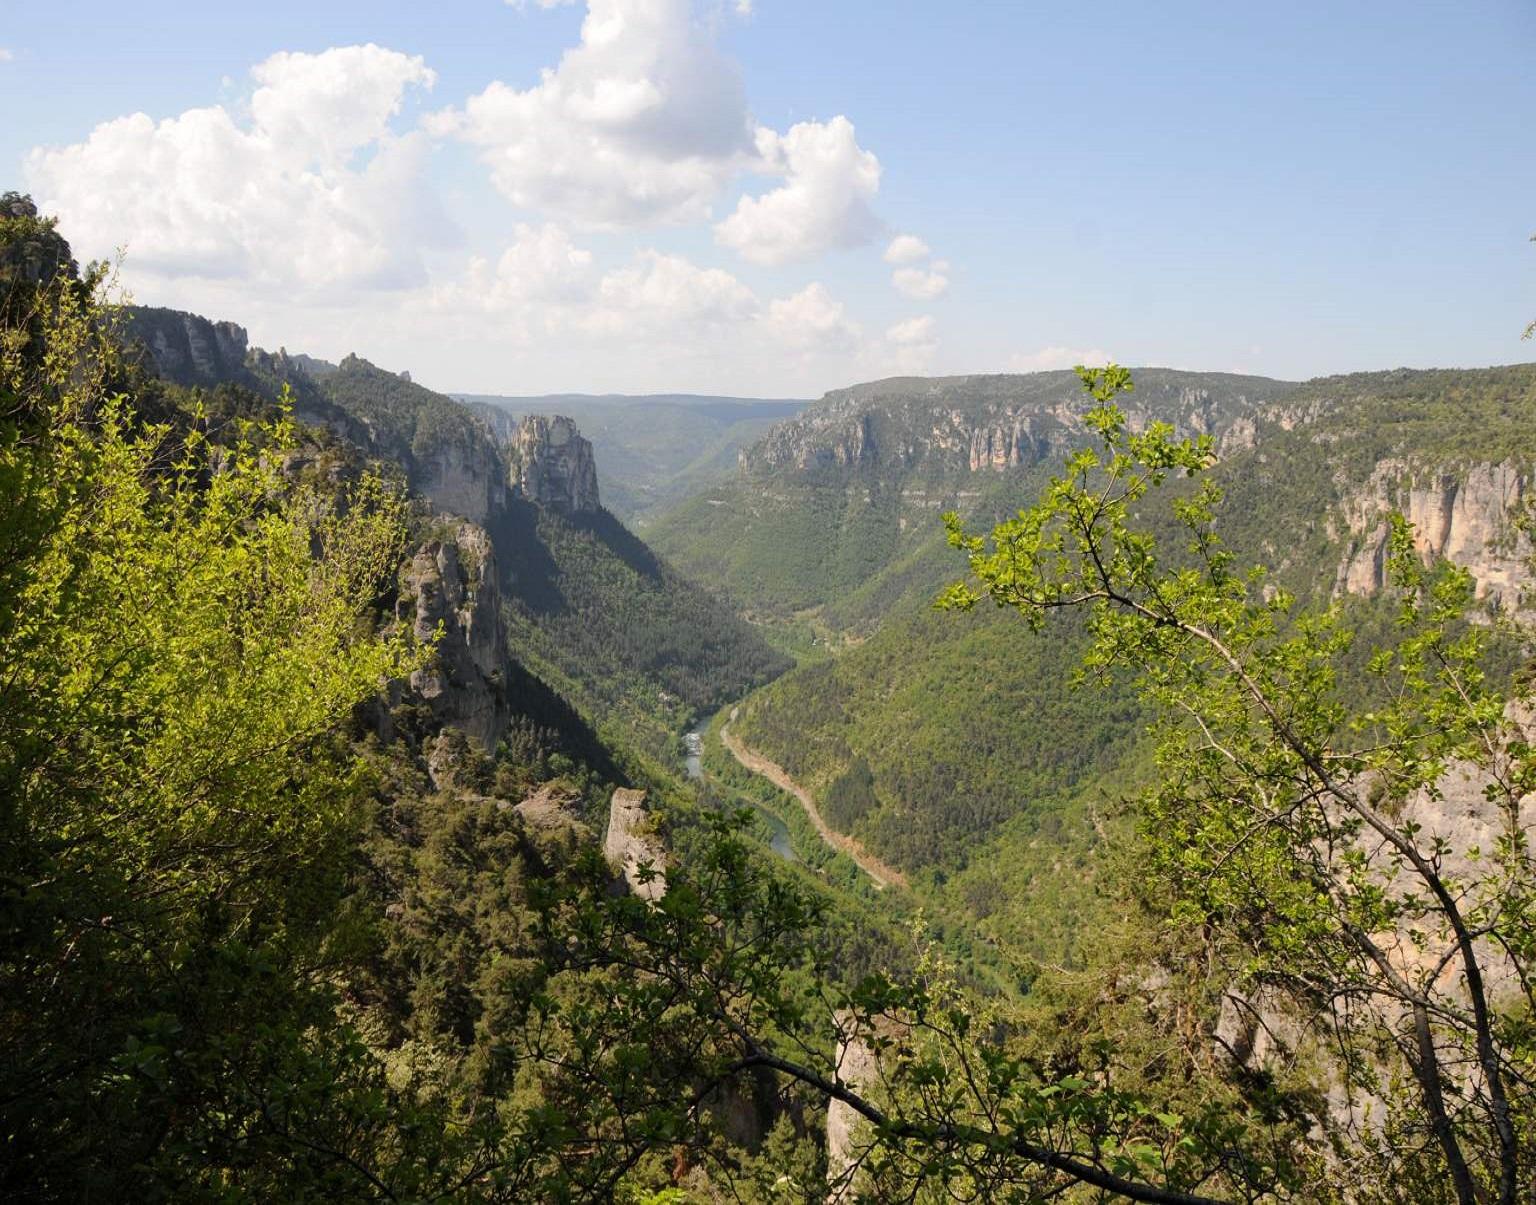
[(632, 842), (552, 464), (858, 1066), (1464, 515), (452, 581), (35, 257), (463, 476), (981, 424), (188, 349)]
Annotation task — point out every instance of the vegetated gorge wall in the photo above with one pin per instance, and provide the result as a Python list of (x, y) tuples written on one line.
[(464, 473), (453, 579), (924, 431)]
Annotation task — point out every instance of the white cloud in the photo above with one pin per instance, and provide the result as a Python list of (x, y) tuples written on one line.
[(920, 284), (911, 332), (911, 345), (316, 191), (6, 55), (670, 294), (811, 319), (642, 123), (823, 203), (1057, 357), (657, 321), (906, 249), (540, 267)]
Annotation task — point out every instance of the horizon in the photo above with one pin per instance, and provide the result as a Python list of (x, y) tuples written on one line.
[(691, 196)]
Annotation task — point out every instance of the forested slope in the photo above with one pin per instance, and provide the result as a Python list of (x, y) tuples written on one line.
[(959, 744), (856, 482)]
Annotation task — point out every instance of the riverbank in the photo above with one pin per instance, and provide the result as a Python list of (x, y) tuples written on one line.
[(879, 872)]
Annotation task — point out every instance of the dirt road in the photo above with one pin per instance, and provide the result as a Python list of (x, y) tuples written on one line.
[(877, 870)]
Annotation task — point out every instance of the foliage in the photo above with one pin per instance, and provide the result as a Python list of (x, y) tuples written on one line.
[(182, 634), (403, 421), (1301, 834)]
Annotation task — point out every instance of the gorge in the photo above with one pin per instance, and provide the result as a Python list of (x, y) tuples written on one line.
[(401, 821)]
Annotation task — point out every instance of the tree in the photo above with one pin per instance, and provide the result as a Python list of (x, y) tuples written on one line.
[(183, 633), (1303, 834)]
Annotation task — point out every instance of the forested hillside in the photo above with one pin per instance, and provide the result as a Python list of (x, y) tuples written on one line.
[(622, 632), (855, 483), (952, 746)]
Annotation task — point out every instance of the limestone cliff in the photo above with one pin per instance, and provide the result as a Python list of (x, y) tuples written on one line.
[(632, 842), (980, 424), (1464, 514), (447, 454), (189, 349), (462, 476), (451, 582), (552, 464)]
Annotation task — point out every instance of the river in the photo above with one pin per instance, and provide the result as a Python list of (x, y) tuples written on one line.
[(778, 832)]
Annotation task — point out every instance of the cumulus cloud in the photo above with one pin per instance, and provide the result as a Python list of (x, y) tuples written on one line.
[(1057, 357), (906, 252), (540, 266), (315, 190), (812, 319), (669, 293), (911, 344), (912, 332), (544, 283), (6, 55), (906, 249), (823, 203), (922, 284), (642, 123)]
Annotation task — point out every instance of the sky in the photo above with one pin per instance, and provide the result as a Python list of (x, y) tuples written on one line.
[(781, 197)]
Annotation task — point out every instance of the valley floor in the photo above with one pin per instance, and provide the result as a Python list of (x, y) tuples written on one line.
[(882, 874)]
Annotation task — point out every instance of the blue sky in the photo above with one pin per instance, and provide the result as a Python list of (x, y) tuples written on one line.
[(705, 196)]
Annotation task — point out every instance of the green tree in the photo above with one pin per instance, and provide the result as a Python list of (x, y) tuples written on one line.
[(1307, 838), (183, 632)]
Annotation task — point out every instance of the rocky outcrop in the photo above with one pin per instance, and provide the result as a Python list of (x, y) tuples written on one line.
[(451, 583), (463, 476), (858, 1067), (632, 842), (189, 349), (1464, 515), (553, 465), (552, 808), (33, 252), (989, 423)]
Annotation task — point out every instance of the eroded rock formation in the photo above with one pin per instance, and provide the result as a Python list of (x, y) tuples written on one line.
[(632, 842), (552, 464), (189, 349), (857, 1066), (451, 581), (1467, 516)]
